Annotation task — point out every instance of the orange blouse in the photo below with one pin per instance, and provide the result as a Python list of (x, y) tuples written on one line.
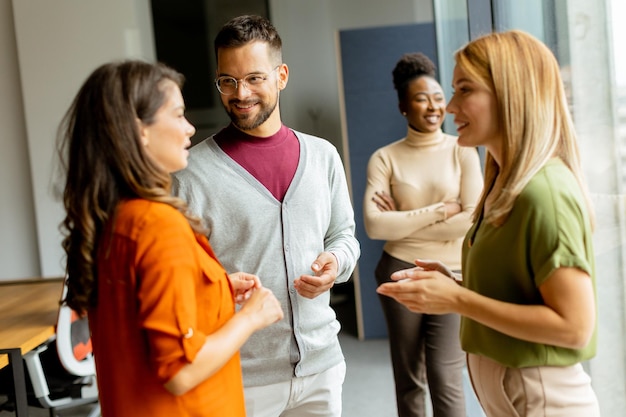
[(161, 290)]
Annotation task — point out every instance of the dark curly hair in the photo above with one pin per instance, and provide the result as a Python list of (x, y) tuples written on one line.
[(409, 67)]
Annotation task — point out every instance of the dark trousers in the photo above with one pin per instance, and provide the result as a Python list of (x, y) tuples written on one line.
[(423, 347)]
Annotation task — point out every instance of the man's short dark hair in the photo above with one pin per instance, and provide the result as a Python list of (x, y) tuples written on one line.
[(242, 30)]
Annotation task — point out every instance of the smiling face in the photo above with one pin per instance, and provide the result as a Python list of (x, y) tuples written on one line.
[(167, 139), (475, 112), (425, 105), (254, 111)]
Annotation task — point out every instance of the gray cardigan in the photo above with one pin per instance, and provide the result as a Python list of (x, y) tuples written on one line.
[(251, 231)]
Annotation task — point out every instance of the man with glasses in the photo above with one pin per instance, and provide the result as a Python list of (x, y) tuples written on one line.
[(276, 204)]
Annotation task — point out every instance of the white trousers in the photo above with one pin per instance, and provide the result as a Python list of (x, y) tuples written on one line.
[(316, 395)]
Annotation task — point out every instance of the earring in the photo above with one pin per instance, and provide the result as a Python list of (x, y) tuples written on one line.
[(404, 113)]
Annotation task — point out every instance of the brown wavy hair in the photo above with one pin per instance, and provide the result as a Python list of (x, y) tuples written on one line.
[(103, 162)]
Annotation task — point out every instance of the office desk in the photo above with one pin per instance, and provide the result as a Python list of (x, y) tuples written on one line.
[(28, 313)]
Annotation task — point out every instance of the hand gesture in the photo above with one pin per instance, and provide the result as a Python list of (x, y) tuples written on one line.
[(243, 285), (424, 289), (325, 270), (429, 265), (263, 307)]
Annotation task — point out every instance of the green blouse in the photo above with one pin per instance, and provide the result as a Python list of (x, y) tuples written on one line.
[(547, 228)]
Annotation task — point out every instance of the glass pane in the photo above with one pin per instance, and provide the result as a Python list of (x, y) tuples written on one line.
[(452, 33), (618, 31)]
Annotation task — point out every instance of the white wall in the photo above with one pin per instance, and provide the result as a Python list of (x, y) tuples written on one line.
[(19, 256), (58, 44)]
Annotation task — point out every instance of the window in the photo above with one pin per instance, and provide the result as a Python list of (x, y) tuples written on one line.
[(583, 36)]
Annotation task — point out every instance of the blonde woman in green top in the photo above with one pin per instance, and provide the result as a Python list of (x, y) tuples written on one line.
[(528, 292)]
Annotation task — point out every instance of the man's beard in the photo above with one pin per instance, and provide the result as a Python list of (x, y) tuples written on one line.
[(247, 122)]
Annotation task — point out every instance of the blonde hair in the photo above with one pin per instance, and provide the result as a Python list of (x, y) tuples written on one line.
[(533, 113)]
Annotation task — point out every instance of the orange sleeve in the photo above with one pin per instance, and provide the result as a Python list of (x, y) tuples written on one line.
[(167, 275)]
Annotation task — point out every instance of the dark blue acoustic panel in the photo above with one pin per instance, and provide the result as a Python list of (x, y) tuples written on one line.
[(368, 57)]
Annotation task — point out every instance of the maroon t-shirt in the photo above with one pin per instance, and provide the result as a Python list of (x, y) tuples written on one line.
[(272, 160)]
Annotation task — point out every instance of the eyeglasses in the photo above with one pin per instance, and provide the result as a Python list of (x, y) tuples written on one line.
[(227, 85)]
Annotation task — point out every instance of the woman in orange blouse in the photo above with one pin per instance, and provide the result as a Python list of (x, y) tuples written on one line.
[(161, 307)]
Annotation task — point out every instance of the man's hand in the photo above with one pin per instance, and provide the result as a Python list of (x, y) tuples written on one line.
[(325, 270)]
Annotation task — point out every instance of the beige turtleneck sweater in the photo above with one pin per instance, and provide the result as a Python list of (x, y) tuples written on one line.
[(421, 172)]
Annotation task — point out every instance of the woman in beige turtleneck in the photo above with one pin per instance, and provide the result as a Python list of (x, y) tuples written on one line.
[(420, 195)]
